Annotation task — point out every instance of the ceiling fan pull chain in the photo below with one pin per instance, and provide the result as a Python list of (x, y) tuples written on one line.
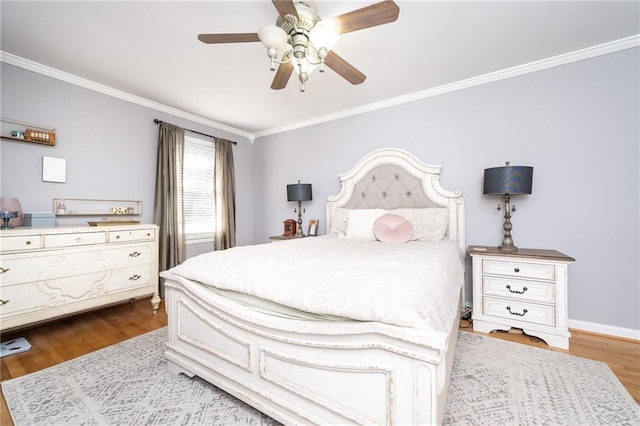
[(303, 76)]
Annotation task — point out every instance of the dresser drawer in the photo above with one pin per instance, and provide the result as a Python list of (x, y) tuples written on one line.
[(22, 298), (129, 255), (19, 268), (516, 289), (20, 242), (519, 311), (513, 268), (129, 278), (33, 296), (75, 239), (133, 235)]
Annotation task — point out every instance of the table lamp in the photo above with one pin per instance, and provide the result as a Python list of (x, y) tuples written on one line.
[(507, 181), (299, 192)]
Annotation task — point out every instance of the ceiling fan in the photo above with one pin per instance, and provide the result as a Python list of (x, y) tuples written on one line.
[(303, 40)]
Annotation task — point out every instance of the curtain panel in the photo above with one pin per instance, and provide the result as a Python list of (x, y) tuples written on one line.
[(167, 208), (225, 186)]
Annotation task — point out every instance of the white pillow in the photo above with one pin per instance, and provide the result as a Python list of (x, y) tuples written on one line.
[(429, 224), (360, 223), (339, 222)]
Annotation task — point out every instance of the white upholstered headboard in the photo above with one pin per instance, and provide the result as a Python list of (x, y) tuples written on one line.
[(392, 178)]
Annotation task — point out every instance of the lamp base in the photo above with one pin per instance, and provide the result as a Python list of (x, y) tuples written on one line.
[(507, 241), (299, 233)]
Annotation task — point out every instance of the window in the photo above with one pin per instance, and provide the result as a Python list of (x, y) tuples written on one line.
[(198, 192)]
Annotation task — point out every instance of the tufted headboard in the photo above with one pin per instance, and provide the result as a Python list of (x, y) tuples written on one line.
[(392, 178)]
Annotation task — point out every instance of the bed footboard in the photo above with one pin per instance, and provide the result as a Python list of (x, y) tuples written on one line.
[(306, 372)]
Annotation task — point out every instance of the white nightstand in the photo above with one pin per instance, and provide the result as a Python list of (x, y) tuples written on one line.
[(526, 289)]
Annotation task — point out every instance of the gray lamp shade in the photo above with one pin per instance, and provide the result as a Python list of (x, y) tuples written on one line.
[(299, 192), (511, 180)]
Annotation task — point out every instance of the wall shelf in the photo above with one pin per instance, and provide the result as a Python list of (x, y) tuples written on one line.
[(33, 133), (96, 207)]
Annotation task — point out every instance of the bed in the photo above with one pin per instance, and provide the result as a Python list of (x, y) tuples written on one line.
[(320, 339)]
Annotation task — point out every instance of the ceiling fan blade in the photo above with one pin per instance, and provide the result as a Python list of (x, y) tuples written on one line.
[(344, 68), (370, 16), (283, 73), (285, 7), (228, 38)]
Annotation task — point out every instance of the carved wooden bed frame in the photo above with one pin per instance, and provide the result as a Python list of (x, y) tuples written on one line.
[(324, 372)]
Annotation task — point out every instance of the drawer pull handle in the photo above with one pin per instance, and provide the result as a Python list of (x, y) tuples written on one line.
[(524, 311), (117, 237), (3, 270), (135, 277), (78, 240), (3, 302), (516, 291), (134, 254), (29, 242), (516, 269)]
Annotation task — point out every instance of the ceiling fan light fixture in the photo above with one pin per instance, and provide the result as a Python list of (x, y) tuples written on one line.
[(272, 37), (324, 35)]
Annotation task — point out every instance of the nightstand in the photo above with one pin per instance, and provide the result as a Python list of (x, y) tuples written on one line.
[(526, 289)]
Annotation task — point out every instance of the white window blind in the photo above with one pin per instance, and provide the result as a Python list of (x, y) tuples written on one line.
[(198, 191)]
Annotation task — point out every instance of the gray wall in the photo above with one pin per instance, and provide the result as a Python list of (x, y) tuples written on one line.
[(577, 125), (109, 144)]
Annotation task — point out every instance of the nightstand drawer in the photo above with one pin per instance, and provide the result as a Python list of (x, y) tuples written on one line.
[(515, 289), (517, 311), (513, 268)]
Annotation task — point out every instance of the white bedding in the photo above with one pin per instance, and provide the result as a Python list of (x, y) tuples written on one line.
[(416, 284)]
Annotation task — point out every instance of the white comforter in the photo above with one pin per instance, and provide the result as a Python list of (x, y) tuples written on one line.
[(416, 284)]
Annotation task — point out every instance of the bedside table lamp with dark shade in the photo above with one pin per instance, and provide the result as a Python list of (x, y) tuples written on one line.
[(299, 192), (507, 181)]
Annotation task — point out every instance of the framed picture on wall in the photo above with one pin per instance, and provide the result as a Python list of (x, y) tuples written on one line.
[(313, 228)]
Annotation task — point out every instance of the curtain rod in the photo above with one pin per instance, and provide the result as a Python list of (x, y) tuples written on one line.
[(155, 120)]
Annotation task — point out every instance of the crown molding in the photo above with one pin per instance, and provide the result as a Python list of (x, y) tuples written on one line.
[(555, 61), (27, 64)]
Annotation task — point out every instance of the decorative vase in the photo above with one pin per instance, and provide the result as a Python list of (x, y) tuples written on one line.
[(12, 204)]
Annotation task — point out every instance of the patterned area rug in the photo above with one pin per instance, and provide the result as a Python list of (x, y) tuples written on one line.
[(493, 382)]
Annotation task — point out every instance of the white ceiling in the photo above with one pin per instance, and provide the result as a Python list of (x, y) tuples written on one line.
[(150, 50)]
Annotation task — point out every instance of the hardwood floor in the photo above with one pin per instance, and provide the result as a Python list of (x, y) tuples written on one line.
[(72, 337)]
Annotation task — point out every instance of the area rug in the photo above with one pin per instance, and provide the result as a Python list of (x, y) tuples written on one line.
[(493, 382)]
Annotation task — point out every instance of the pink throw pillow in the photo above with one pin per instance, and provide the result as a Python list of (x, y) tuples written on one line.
[(392, 228)]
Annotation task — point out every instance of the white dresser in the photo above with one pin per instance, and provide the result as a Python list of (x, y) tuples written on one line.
[(526, 289), (51, 272)]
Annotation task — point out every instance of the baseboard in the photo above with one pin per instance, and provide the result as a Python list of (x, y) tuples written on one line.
[(627, 333)]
